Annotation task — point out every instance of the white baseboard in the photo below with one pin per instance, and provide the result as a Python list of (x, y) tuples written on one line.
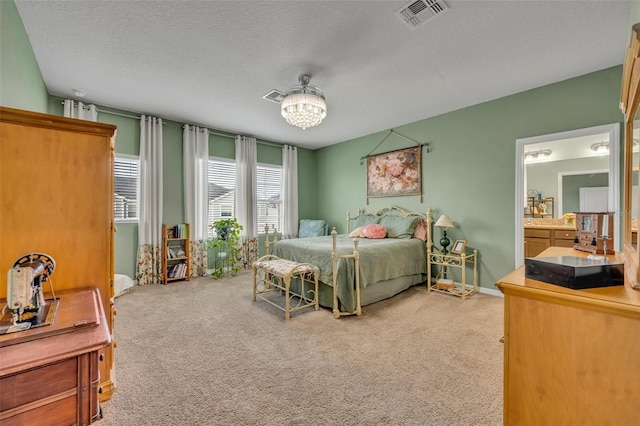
[(491, 291)]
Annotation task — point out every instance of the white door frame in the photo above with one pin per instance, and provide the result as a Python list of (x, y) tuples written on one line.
[(614, 178)]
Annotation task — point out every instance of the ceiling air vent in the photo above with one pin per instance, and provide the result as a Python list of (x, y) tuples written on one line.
[(418, 12), (274, 96)]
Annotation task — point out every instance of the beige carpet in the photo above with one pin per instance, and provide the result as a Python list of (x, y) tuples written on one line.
[(203, 353)]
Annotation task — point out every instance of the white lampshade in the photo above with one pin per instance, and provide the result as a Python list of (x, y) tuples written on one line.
[(444, 222)]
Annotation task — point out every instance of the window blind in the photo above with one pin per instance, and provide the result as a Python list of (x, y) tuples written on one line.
[(221, 193), (125, 200), (269, 193)]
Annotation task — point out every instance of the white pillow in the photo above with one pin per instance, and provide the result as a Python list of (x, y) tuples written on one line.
[(357, 232)]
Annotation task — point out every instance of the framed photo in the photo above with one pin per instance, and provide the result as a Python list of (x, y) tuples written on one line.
[(395, 173), (458, 246)]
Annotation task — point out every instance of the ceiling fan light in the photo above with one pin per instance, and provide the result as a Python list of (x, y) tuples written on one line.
[(304, 106)]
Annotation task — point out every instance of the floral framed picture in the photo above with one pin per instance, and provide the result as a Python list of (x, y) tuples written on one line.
[(395, 173)]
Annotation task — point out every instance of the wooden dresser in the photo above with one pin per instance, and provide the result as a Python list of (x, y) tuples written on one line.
[(56, 197), (50, 375), (571, 357), (538, 238)]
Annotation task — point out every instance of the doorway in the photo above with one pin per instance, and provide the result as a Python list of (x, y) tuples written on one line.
[(594, 199), (610, 131)]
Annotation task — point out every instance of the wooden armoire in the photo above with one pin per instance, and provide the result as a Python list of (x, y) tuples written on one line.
[(56, 197)]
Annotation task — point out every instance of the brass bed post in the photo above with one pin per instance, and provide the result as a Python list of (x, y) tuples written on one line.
[(334, 261), (267, 243), (429, 246), (356, 265), (356, 262)]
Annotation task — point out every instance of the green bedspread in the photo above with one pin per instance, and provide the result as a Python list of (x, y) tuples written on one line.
[(380, 260)]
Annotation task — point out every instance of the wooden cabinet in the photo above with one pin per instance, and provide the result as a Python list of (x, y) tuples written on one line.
[(535, 241), (176, 253), (570, 356), (563, 238), (538, 239), (56, 197), (50, 375)]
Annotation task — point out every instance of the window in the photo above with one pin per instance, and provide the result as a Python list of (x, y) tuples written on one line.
[(125, 199), (269, 193), (221, 195)]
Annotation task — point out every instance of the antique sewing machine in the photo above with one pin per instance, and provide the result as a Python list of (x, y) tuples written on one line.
[(26, 305)]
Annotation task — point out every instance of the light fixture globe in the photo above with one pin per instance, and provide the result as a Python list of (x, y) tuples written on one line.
[(304, 105), (601, 148)]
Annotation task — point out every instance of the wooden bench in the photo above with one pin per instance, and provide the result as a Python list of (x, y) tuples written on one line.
[(270, 273)]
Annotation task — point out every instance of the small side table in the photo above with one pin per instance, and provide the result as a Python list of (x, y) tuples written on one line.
[(449, 260)]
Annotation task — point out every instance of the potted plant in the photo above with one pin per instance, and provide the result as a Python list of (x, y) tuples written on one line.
[(226, 246)]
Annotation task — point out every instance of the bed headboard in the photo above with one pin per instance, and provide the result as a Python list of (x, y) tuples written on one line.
[(394, 211)]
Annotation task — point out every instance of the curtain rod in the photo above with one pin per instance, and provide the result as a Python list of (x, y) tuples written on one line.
[(230, 135)]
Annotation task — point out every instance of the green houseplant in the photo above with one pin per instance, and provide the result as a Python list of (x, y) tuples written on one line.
[(226, 246)]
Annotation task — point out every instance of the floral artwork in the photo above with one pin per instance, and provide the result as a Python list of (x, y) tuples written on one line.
[(395, 173)]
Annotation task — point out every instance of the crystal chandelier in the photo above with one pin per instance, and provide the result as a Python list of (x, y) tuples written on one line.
[(304, 105)]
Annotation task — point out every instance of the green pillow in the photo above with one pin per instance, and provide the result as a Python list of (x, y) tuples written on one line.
[(399, 227), (364, 220)]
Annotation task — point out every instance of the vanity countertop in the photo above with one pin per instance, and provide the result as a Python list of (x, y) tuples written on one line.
[(546, 226), (548, 223)]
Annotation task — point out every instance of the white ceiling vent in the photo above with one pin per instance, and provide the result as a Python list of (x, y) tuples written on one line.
[(418, 12), (274, 96)]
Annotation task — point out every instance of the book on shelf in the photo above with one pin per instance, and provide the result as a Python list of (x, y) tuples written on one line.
[(179, 230), (179, 270)]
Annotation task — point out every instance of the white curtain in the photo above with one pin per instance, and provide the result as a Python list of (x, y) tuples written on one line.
[(150, 199), (195, 147), (79, 110), (246, 202), (195, 144), (290, 190)]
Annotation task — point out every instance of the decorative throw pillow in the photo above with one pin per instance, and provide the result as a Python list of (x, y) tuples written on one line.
[(312, 228), (357, 232), (374, 231), (365, 219), (421, 231), (398, 226)]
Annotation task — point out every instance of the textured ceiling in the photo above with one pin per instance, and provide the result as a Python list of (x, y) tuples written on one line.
[(209, 62)]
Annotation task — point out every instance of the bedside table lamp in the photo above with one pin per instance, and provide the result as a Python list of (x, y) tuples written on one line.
[(444, 222)]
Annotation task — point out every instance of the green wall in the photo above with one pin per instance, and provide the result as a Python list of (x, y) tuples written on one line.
[(571, 185), (470, 172), (21, 84)]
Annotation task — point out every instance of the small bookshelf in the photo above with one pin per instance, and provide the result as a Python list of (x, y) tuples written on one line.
[(176, 256)]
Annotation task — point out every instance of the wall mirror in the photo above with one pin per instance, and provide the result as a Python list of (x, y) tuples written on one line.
[(573, 165), (634, 185), (629, 102)]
